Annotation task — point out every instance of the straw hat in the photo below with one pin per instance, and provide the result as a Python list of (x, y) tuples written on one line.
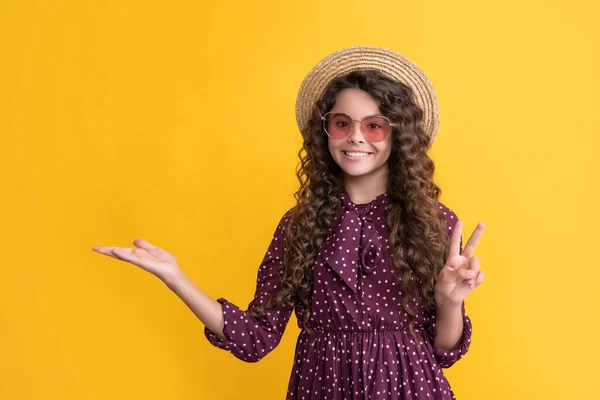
[(357, 58)]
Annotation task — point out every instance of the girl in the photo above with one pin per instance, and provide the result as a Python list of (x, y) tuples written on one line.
[(369, 260)]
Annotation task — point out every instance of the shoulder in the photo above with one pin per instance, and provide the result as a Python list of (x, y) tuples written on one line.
[(450, 216), (285, 220)]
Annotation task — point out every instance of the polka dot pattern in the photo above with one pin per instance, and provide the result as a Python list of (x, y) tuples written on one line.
[(363, 349)]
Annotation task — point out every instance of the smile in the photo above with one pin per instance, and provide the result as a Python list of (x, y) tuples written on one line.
[(355, 154)]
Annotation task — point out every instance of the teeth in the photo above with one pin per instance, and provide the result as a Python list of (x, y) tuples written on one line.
[(355, 154)]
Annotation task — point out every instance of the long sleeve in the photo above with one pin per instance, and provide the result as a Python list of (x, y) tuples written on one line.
[(446, 358), (250, 339)]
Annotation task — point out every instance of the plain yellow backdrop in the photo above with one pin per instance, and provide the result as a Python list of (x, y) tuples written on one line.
[(174, 122)]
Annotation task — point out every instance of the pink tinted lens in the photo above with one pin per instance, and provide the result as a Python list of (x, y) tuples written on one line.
[(375, 129), (338, 125)]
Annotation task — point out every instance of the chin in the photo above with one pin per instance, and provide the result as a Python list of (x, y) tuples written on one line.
[(356, 172)]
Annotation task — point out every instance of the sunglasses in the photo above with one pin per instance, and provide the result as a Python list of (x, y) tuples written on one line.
[(374, 128)]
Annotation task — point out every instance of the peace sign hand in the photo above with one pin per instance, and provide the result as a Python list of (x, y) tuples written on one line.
[(461, 273), (153, 259)]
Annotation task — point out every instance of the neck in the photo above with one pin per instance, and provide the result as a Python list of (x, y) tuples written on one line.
[(363, 189)]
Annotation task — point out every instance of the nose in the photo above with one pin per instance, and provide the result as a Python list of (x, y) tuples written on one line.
[(355, 135)]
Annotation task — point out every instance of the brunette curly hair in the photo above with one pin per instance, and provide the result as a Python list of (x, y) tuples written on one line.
[(418, 240)]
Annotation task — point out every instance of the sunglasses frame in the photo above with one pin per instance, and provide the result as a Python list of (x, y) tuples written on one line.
[(352, 121)]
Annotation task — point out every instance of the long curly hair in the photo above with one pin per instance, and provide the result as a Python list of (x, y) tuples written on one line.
[(416, 225)]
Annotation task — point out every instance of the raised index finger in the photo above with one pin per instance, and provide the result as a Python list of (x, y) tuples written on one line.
[(455, 240)]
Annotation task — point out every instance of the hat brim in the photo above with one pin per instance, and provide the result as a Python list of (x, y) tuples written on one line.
[(357, 58)]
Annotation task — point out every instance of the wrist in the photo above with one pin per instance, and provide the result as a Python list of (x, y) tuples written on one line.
[(444, 303), (173, 277)]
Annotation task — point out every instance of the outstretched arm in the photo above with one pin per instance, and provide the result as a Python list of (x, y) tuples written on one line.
[(226, 325)]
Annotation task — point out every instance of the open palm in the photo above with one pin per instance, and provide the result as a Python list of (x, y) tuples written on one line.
[(461, 273), (153, 259)]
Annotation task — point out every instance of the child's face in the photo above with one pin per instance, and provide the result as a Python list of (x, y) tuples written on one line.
[(359, 104)]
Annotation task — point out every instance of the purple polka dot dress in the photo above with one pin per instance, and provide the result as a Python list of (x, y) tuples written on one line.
[(363, 347)]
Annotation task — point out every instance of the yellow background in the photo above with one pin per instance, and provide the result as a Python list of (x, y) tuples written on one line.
[(174, 122)]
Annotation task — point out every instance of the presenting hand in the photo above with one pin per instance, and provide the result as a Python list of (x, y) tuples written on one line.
[(151, 258), (461, 273)]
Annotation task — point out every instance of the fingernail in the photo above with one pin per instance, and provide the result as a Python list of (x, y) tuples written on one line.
[(471, 273)]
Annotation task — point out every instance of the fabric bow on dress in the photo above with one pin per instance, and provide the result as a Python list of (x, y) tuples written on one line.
[(354, 246)]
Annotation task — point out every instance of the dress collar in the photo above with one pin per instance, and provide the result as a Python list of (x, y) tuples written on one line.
[(381, 200)]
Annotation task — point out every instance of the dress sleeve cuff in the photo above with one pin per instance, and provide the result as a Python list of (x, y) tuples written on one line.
[(446, 358), (228, 312)]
